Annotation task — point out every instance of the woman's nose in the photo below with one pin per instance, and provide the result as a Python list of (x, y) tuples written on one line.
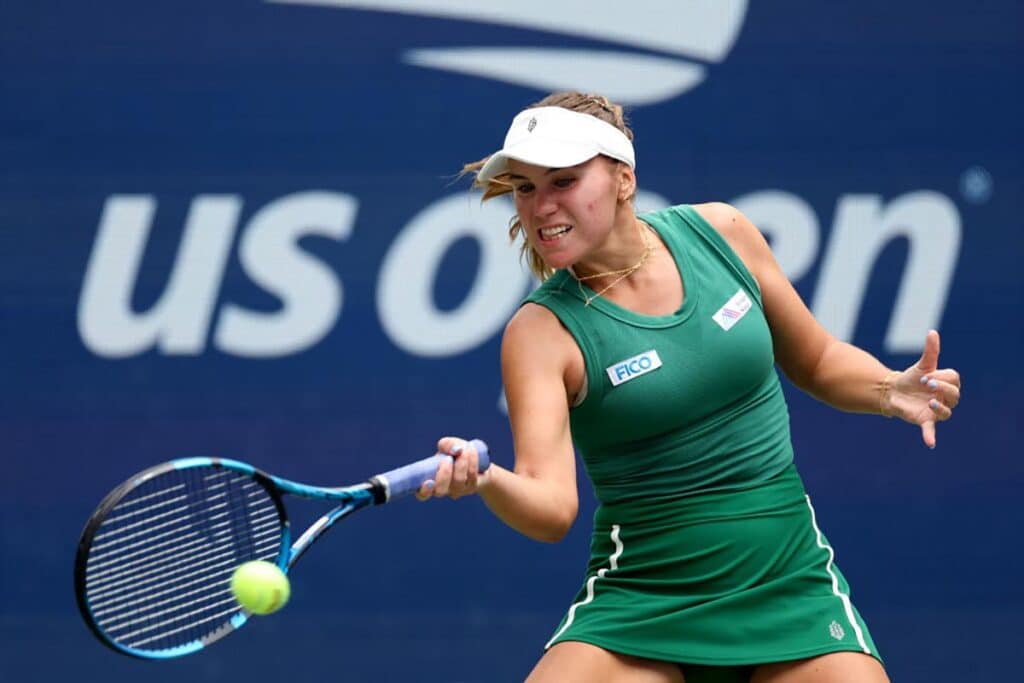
[(545, 204)]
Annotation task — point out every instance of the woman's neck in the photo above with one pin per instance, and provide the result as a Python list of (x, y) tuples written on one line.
[(629, 258)]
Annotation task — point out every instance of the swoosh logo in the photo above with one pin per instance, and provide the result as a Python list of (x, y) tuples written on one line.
[(688, 37)]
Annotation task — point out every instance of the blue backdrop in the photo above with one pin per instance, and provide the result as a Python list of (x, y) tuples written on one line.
[(233, 229)]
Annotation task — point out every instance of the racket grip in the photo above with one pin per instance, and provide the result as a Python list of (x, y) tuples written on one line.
[(409, 478)]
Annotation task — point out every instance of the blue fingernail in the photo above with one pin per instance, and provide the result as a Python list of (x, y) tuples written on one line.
[(933, 384), (456, 449), (933, 403), (429, 484), (924, 379)]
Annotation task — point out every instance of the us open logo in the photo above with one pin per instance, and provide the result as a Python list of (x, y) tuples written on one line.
[(657, 50), (634, 367)]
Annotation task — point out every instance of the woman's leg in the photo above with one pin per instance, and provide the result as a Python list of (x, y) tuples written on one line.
[(836, 667), (575, 662)]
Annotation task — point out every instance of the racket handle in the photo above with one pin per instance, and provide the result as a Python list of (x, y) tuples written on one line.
[(409, 478)]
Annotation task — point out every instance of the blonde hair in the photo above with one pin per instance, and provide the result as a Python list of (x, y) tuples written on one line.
[(596, 106)]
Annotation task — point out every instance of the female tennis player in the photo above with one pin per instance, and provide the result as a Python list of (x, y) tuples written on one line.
[(652, 345)]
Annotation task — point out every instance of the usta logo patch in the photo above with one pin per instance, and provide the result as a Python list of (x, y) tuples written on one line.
[(661, 49)]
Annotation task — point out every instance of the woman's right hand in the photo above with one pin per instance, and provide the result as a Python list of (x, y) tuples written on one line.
[(458, 478)]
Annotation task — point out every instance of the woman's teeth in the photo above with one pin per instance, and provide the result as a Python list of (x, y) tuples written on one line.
[(555, 231)]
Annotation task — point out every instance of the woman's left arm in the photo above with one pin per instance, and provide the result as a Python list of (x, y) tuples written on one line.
[(831, 370)]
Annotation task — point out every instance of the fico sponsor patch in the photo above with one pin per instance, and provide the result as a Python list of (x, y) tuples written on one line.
[(631, 368)]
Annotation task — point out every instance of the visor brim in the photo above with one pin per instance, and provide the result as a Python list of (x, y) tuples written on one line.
[(537, 152)]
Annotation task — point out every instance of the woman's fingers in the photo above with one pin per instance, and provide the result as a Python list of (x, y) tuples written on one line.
[(443, 479), (426, 490), (939, 409), (465, 470), (928, 433), (948, 375), (454, 478), (944, 386), (948, 394)]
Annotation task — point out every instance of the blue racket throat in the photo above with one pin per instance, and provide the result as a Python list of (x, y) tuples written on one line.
[(380, 489), (154, 562)]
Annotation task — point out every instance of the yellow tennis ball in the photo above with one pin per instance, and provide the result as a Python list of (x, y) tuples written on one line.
[(260, 587)]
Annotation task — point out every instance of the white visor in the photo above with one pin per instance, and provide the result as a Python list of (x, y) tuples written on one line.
[(555, 137)]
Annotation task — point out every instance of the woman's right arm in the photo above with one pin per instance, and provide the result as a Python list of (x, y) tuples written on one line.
[(538, 497)]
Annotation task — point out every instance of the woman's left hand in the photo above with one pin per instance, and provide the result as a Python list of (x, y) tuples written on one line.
[(922, 394)]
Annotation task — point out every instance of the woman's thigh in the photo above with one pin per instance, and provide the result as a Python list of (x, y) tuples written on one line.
[(836, 667), (576, 662)]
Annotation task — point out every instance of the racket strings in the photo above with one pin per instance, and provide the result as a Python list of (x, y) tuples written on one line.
[(158, 572), (143, 556), (169, 543)]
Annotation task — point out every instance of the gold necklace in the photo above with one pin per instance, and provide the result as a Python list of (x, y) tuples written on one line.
[(622, 274)]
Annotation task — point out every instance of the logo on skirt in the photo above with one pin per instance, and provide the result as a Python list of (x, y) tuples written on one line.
[(836, 631)]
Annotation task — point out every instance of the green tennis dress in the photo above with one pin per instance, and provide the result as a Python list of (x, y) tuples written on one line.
[(705, 548)]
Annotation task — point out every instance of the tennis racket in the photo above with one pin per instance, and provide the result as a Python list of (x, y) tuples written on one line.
[(154, 563)]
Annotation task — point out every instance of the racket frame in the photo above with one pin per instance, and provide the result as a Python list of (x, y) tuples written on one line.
[(378, 490)]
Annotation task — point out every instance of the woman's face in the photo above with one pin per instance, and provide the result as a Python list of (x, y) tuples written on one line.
[(566, 213)]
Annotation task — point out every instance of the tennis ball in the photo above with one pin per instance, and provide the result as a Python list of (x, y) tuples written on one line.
[(260, 587)]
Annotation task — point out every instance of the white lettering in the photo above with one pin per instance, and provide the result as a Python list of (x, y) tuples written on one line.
[(788, 223), (931, 223), (180, 320), (310, 292), (405, 300)]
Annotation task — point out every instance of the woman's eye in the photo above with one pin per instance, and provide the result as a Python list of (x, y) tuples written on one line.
[(524, 188), (564, 182)]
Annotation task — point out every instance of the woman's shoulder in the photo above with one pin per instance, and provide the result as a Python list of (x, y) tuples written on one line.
[(534, 335), (739, 233), (552, 286), (531, 323), (717, 215), (728, 221)]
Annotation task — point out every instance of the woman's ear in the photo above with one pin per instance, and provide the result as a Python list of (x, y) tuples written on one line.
[(627, 182)]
